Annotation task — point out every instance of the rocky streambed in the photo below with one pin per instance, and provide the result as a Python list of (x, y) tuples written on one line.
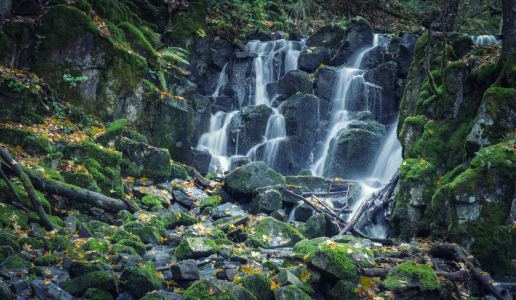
[(228, 241)]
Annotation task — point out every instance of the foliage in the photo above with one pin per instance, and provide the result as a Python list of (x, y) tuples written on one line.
[(74, 80)]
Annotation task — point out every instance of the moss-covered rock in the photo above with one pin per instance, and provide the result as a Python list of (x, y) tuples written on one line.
[(241, 183), (266, 202), (308, 246), (46, 260), (419, 281), (113, 135), (139, 281), (258, 284), (100, 246), (147, 233), (96, 294), (146, 160), (207, 289), (192, 247), (101, 280), (138, 247), (314, 227), (80, 268), (290, 292), (15, 264), (270, 233)]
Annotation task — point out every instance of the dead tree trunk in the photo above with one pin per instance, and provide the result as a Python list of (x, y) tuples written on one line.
[(27, 185)]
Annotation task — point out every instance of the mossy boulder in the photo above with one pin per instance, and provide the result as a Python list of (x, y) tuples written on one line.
[(308, 246), (146, 233), (270, 233), (80, 268), (266, 202), (113, 135), (46, 260), (101, 280), (326, 36), (139, 281), (97, 294), (7, 239), (314, 227), (100, 246), (241, 183), (192, 247), (6, 196), (149, 161), (5, 292), (419, 282), (207, 289), (15, 264), (290, 292), (351, 152), (258, 284), (308, 183), (338, 261), (358, 35), (311, 58), (294, 81)]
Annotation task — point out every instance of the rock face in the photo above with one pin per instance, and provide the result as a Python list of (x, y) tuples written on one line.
[(294, 81), (311, 58), (241, 183), (248, 127), (358, 35), (325, 81), (383, 76), (326, 36)]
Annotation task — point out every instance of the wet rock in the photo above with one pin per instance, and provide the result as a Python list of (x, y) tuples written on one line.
[(79, 268), (290, 292), (238, 162), (308, 183), (419, 282), (241, 183), (207, 288), (286, 278), (295, 81), (325, 81), (279, 215), (258, 284), (48, 291), (278, 35), (161, 295), (354, 149), (314, 227), (374, 58), (293, 36), (94, 294), (303, 212), (185, 270), (248, 127), (227, 210), (5, 292), (383, 77), (326, 36), (358, 35), (270, 233), (195, 248), (139, 281), (308, 246), (145, 160), (311, 58), (101, 280), (15, 264), (266, 202), (182, 199)]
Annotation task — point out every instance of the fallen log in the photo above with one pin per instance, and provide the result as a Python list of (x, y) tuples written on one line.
[(75, 193), (27, 185), (9, 184), (308, 194), (203, 181), (360, 234), (317, 209), (458, 253), (382, 272)]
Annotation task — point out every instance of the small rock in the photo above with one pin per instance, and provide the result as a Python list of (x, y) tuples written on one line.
[(227, 210), (185, 270), (49, 291)]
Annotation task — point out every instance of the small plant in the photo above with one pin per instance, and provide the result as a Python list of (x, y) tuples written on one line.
[(299, 93), (508, 141), (15, 84), (74, 80), (483, 158)]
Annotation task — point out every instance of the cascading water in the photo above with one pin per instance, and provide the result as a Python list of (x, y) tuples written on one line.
[(390, 158), (484, 40), (273, 60)]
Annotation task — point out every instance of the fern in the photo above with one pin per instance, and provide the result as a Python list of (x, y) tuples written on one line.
[(162, 80), (175, 53), (169, 58)]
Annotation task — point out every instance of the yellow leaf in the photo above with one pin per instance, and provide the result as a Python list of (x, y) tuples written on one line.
[(305, 276), (112, 149), (431, 131), (366, 282), (349, 251), (305, 257)]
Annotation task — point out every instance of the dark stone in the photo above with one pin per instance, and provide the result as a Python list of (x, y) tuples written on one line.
[(248, 127), (326, 36), (238, 162), (293, 36), (325, 82), (182, 199), (272, 89), (266, 202), (279, 35), (279, 215), (295, 81), (185, 270), (227, 210), (261, 36), (303, 212), (358, 35), (49, 291), (310, 59), (383, 76), (241, 183), (404, 61), (373, 58), (245, 55)]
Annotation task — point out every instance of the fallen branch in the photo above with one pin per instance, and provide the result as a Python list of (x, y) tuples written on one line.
[(27, 185), (75, 193), (376, 240), (13, 203), (308, 194), (382, 272), (317, 209), (203, 181), (458, 253)]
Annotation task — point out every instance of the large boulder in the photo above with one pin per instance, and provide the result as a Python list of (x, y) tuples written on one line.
[(326, 36), (248, 128), (195, 248), (384, 108), (293, 82), (351, 152), (325, 81), (266, 202), (270, 233), (101, 279), (145, 160), (412, 281), (358, 35), (241, 183), (375, 57), (140, 281), (311, 58)]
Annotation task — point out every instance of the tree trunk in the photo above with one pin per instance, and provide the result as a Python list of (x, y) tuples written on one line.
[(27, 185), (508, 30)]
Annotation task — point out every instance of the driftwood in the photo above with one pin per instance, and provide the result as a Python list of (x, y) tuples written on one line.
[(382, 272), (317, 209), (458, 253), (338, 185), (9, 184), (360, 234), (308, 194), (203, 181), (368, 203), (27, 185), (199, 264), (75, 193)]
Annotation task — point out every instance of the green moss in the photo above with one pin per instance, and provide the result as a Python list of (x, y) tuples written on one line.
[(212, 201), (308, 246), (124, 249), (46, 260), (81, 179), (114, 132), (96, 294), (138, 42), (13, 263), (79, 268), (187, 220), (270, 227), (258, 284), (141, 281), (420, 277), (94, 245), (120, 234), (184, 249), (151, 201), (341, 264), (57, 243), (5, 193), (345, 289), (206, 289), (136, 245), (84, 6), (187, 23), (100, 280), (114, 11)]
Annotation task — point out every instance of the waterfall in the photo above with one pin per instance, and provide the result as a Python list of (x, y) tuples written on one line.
[(484, 40), (389, 159), (223, 79), (215, 140)]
